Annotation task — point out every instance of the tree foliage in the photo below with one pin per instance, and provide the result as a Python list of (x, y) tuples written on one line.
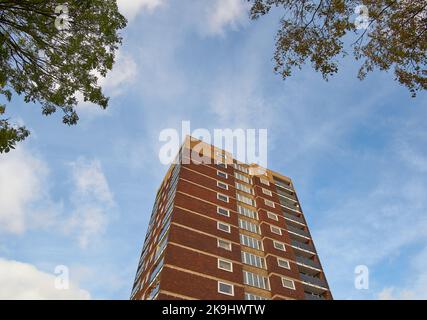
[(52, 51), (387, 34)]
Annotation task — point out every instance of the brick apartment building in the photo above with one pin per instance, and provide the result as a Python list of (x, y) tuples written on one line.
[(219, 231)]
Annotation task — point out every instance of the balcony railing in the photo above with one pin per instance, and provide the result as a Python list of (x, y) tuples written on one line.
[(287, 193), (290, 207), (309, 296), (299, 231), (302, 246), (313, 280), (284, 186), (293, 217), (308, 262)]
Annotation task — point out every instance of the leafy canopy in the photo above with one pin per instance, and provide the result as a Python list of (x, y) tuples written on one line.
[(51, 51), (389, 34)]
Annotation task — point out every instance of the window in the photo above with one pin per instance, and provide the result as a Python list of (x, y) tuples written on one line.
[(225, 265), (224, 227), (225, 288), (223, 212), (269, 203), (288, 283), (221, 164), (283, 263), (224, 244), (242, 177), (264, 181), (221, 155), (255, 280), (272, 216), (253, 260), (156, 270), (267, 192), (241, 168), (222, 197), (245, 199), (222, 174), (276, 230), (222, 185), (250, 296), (247, 212), (250, 242), (243, 188), (279, 246), (249, 226)]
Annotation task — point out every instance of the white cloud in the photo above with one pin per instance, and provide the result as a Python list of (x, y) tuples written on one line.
[(224, 14), (24, 281), (119, 79), (22, 182), (416, 286), (124, 72), (25, 202), (92, 201), (131, 8)]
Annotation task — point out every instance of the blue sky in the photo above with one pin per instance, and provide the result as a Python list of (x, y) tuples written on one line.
[(356, 151)]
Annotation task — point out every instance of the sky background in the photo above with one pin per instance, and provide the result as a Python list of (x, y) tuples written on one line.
[(81, 196)]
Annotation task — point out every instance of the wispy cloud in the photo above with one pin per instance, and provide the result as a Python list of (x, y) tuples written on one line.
[(223, 14), (92, 201)]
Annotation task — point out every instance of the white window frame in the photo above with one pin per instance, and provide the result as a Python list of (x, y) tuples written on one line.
[(246, 200), (220, 184), (249, 277), (221, 155), (279, 243), (272, 216), (229, 245), (225, 261), (222, 174), (269, 203), (267, 192), (251, 296), (224, 224), (283, 260), (221, 213), (242, 177), (251, 242), (253, 260), (221, 164), (264, 181), (244, 188), (227, 284), (279, 231), (252, 214), (218, 195), (249, 226), (291, 281)]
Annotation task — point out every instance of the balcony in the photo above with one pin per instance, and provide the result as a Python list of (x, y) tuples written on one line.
[(293, 217), (303, 246), (287, 193), (299, 232), (290, 207), (283, 185), (310, 296), (308, 262), (313, 280)]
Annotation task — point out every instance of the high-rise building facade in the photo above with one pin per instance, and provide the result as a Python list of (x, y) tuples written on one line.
[(220, 231)]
